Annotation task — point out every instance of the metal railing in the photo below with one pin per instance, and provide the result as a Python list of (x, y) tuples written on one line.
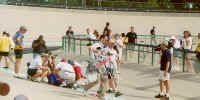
[(142, 53), (121, 5)]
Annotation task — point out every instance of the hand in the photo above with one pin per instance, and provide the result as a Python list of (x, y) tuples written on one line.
[(165, 74)]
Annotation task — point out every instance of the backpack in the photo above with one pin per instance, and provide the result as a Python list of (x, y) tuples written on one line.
[(52, 79)]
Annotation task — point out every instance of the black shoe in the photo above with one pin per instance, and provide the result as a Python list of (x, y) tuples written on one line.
[(98, 92), (159, 96), (117, 94), (109, 91), (5, 67)]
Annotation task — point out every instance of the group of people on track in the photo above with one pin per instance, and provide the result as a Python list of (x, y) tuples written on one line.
[(104, 62)]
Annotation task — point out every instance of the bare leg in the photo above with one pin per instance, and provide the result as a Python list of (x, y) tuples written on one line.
[(161, 86), (111, 84), (17, 64), (167, 86), (7, 61)]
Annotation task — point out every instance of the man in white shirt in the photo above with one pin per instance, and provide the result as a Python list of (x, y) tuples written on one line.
[(97, 51), (38, 69), (65, 71), (90, 36)]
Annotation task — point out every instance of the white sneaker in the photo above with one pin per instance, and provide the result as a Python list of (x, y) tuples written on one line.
[(16, 75), (45, 80), (37, 80)]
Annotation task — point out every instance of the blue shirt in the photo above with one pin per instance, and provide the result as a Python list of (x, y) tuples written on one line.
[(18, 35), (166, 57)]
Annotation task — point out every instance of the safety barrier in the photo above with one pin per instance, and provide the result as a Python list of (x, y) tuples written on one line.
[(142, 53)]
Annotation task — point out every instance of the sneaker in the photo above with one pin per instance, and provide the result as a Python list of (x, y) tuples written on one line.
[(45, 80), (5, 67), (16, 75), (110, 91), (117, 94), (167, 97), (37, 80), (159, 96)]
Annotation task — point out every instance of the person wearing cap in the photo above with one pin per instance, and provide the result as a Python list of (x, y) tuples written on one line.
[(176, 45), (65, 72), (165, 69), (5, 44), (97, 54), (38, 68), (18, 40)]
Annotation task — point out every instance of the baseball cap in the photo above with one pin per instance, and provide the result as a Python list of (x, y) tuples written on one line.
[(20, 97), (23, 28)]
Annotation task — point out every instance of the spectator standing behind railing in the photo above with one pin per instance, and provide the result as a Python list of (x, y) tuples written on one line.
[(132, 40), (187, 46), (107, 27), (18, 39), (5, 44), (96, 33), (153, 36), (176, 53), (70, 32), (198, 47), (89, 35)]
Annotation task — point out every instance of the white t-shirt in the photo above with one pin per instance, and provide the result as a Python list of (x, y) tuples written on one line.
[(177, 44), (36, 63), (91, 36), (95, 46), (65, 67), (187, 46), (119, 45)]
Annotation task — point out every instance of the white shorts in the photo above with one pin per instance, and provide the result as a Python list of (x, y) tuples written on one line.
[(67, 75), (163, 78)]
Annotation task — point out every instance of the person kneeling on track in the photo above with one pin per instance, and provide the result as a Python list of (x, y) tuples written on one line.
[(65, 73), (38, 68)]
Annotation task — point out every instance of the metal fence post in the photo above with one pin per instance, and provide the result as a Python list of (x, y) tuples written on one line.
[(126, 51), (152, 61), (74, 49), (69, 44), (138, 54), (80, 47), (65, 43), (183, 61)]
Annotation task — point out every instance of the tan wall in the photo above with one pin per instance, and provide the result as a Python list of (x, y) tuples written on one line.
[(53, 22)]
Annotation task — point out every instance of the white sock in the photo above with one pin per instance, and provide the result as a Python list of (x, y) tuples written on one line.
[(161, 93), (167, 95)]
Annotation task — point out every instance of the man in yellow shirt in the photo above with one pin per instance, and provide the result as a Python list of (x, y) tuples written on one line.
[(5, 44)]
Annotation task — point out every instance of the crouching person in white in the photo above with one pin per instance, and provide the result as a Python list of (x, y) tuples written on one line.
[(65, 72), (38, 68), (165, 70)]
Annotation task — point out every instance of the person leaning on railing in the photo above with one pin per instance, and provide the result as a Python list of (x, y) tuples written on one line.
[(187, 46), (198, 48)]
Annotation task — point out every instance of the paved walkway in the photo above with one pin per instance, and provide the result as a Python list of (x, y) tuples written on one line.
[(138, 82)]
